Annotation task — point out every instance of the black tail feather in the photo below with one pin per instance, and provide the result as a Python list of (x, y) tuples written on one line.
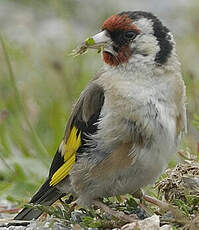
[(46, 195)]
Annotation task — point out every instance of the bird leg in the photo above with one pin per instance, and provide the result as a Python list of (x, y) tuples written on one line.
[(118, 214), (156, 202), (142, 197), (138, 194)]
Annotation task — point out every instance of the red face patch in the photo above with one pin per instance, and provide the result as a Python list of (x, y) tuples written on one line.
[(123, 55), (114, 23), (117, 22)]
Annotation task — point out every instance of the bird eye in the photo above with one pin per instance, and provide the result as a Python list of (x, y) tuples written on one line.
[(130, 35)]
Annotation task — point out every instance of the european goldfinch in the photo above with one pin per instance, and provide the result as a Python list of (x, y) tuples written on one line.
[(127, 122)]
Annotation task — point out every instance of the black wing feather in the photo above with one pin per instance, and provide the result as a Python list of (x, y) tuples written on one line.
[(84, 117)]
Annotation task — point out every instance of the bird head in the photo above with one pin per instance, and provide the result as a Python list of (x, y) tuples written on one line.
[(130, 36)]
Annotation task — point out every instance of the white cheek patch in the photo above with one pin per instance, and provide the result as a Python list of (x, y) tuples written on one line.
[(146, 45)]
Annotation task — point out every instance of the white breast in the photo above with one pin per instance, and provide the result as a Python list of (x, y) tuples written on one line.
[(149, 103)]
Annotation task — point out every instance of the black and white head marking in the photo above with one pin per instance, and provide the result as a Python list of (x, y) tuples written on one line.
[(160, 31)]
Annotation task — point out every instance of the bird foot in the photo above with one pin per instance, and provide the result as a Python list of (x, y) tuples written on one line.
[(142, 197), (138, 194)]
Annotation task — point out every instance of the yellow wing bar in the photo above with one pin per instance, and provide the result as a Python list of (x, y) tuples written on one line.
[(69, 149)]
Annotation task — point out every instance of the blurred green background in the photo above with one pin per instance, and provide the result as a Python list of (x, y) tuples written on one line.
[(38, 91)]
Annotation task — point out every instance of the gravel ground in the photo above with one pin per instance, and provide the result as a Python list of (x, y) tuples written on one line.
[(37, 225), (50, 222)]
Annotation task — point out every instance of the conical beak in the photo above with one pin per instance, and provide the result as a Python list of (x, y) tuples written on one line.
[(99, 40)]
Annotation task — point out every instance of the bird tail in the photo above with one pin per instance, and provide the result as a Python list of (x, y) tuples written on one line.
[(46, 195)]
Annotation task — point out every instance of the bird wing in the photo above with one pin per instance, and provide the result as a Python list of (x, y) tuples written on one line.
[(82, 122)]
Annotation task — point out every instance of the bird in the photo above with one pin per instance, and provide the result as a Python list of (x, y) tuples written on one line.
[(129, 120)]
